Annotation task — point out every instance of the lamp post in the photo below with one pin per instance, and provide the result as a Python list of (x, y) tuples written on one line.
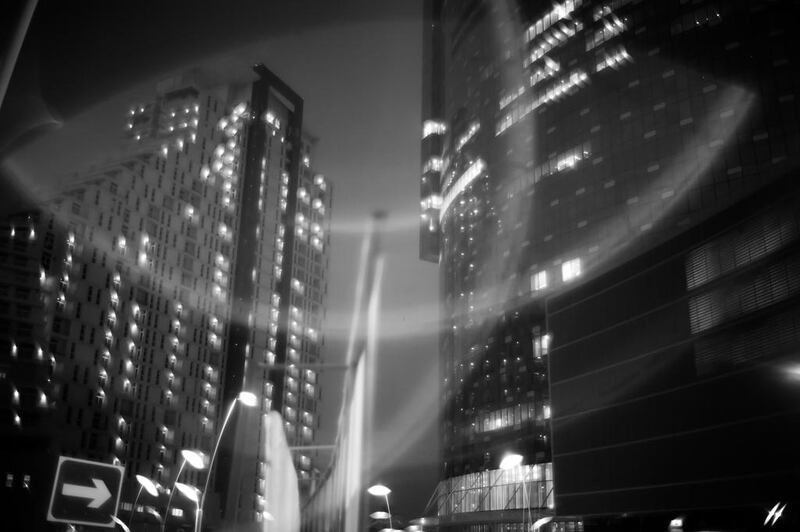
[(195, 460), (193, 494), (248, 399), (513, 461), (121, 523), (379, 490), (149, 486)]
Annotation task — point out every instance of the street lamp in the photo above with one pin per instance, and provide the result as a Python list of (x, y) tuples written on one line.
[(193, 494), (196, 460), (152, 511), (248, 399), (121, 524), (379, 490), (146, 484)]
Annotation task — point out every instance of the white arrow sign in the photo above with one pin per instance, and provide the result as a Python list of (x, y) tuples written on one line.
[(99, 493), (85, 492)]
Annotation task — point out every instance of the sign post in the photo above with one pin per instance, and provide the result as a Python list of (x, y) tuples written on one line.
[(85, 492)]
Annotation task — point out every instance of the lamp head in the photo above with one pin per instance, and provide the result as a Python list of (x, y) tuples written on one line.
[(379, 490), (247, 399), (190, 492), (196, 459), (148, 485)]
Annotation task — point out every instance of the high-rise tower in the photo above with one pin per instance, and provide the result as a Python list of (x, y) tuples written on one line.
[(573, 136), (279, 296), (155, 288)]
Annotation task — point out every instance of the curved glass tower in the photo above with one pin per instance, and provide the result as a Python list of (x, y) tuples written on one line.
[(558, 141)]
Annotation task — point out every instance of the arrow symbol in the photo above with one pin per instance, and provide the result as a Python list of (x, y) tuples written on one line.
[(99, 493)]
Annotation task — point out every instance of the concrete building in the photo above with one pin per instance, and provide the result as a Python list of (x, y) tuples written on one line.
[(151, 291)]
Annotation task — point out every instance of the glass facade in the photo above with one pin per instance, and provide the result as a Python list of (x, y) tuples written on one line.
[(522, 487), (670, 368), (574, 136)]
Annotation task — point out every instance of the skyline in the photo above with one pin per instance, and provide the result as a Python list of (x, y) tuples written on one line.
[(571, 227)]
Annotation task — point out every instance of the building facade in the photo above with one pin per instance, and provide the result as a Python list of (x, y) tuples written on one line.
[(164, 285), (691, 365), (559, 140), (278, 324)]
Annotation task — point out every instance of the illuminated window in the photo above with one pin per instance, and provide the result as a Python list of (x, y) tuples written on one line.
[(539, 280), (467, 136), (433, 127), (434, 201), (563, 86), (99, 399), (547, 71), (559, 12), (434, 163), (504, 101), (614, 58), (464, 180), (298, 286), (570, 269), (552, 40), (610, 26)]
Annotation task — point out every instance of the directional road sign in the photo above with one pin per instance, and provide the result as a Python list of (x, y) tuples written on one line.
[(85, 493)]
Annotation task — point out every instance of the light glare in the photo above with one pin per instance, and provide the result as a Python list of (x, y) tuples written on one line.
[(379, 490), (510, 461), (148, 485), (248, 399)]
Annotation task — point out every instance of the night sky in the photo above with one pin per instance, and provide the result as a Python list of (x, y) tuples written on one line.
[(357, 64)]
